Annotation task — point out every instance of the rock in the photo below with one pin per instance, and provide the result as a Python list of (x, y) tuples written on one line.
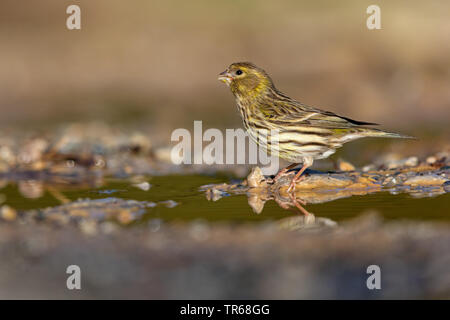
[(32, 151), (163, 154), (390, 182), (7, 213), (425, 180), (369, 167), (431, 160), (7, 155), (169, 203), (323, 181), (446, 186), (345, 166), (256, 203), (256, 179), (79, 213), (144, 186), (125, 217), (88, 227), (214, 194), (139, 143), (31, 189), (408, 162)]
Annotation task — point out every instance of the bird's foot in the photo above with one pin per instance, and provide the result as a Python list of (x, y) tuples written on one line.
[(284, 172), (291, 188), (279, 175)]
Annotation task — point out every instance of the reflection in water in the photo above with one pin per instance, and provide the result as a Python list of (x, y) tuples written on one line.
[(35, 189), (292, 202), (31, 189), (304, 209)]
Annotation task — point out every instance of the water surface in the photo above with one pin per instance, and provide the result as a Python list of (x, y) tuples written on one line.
[(187, 202)]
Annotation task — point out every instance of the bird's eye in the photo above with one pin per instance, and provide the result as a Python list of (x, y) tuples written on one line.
[(239, 72)]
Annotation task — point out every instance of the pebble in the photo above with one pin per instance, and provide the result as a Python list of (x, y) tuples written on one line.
[(88, 227), (408, 162), (325, 182), (425, 180), (7, 213), (446, 186), (144, 186), (345, 166), (214, 194), (256, 203), (169, 203), (256, 179), (125, 217), (431, 160)]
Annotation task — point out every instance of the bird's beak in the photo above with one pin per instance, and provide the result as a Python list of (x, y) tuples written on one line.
[(225, 77)]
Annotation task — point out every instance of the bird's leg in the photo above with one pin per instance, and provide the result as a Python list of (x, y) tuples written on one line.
[(284, 170), (306, 164), (298, 203)]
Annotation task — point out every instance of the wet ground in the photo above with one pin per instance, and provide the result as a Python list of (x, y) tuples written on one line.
[(140, 227)]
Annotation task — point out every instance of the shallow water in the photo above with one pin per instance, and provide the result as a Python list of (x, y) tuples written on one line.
[(186, 202)]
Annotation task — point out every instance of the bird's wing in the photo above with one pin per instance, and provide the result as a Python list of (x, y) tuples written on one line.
[(296, 113)]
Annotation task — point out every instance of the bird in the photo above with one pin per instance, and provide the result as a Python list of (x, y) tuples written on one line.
[(304, 133)]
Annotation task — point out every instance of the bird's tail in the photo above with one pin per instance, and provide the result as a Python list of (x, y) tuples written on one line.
[(384, 134)]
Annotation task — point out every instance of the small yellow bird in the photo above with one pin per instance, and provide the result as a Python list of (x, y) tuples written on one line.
[(304, 133)]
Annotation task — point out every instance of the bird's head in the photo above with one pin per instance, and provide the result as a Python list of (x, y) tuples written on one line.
[(246, 80)]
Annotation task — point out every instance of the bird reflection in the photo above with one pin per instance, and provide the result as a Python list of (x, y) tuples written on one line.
[(297, 202), (257, 200)]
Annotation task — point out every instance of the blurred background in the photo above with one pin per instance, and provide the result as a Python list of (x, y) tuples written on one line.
[(86, 118), (153, 65)]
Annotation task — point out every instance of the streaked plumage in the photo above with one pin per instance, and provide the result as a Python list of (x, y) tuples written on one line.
[(305, 133)]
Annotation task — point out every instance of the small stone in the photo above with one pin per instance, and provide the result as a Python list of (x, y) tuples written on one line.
[(345, 166), (431, 160), (140, 143), (79, 213), (32, 151), (88, 227), (99, 162), (7, 155), (163, 154), (412, 162), (7, 213), (214, 194), (425, 180), (368, 168), (256, 179), (125, 217), (256, 203), (31, 189), (169, 203), (390, 182), (446, 186), (324, 182), (144, 186), (408, 162)]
